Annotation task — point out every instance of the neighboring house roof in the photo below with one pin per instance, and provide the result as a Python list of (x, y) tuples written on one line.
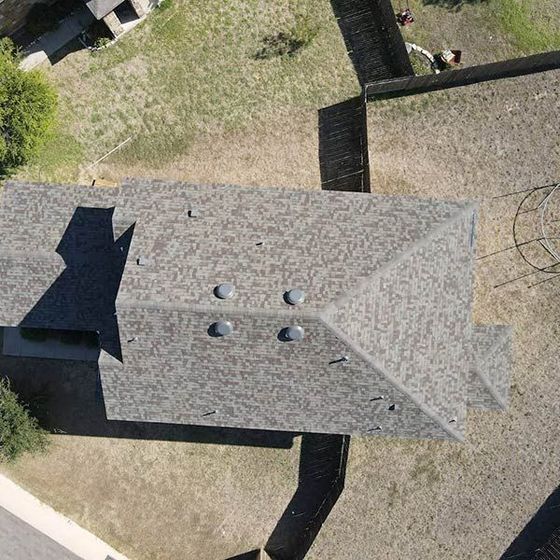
[(20, 541), (100, 8), (387, 282)]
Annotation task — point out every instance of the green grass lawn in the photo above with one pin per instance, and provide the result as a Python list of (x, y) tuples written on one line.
[(188, 70), (532, 24), (191, 70), (487, 29)]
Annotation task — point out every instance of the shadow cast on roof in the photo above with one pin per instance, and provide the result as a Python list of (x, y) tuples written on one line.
[(83, 296)]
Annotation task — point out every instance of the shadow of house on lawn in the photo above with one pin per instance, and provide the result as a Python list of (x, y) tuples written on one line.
[(66, 397), (253, 555), (537, 532)]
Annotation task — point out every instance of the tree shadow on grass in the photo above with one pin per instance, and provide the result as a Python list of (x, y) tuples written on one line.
[(452, 5)]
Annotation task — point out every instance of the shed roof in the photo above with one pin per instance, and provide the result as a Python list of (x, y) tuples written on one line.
[(100, 8)]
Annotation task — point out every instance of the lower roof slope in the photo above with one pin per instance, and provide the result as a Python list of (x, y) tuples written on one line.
[(490, 373), (172, 371)]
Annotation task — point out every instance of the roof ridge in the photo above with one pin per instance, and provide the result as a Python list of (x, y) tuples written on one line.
[(397, 384), (490, 388), (45, 256), (421, 243), (313, 313)]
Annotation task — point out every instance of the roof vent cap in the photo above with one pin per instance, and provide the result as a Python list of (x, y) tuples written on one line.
[(193, 213), (222, 328), (224, 291), (295, 333), (294, 296)]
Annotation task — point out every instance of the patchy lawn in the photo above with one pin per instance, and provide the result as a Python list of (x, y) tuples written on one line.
[(191, 72), (486, 30), (188, 86), (158, 500)]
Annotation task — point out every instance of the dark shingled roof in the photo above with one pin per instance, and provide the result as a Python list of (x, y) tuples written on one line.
[(100, 8), (387, 282)]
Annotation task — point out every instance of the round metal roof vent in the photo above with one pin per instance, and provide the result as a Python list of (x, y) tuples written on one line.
[(295, 332), (294, 296), (224, 291), (222, 328)]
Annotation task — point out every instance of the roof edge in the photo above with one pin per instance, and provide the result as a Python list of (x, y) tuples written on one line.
[(490, 388), (343, 299), (505, 338), (397, 384)]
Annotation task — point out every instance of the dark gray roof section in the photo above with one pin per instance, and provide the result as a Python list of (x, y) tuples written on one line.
[(100, 8), (387, 311), (20, 541)]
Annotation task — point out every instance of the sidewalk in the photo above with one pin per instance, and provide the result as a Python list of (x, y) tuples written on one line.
[(28, 526)]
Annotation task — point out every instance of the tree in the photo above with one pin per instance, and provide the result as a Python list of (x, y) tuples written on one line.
[(27, 110), (19, 431)]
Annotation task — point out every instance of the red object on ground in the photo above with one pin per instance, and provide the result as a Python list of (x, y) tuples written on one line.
[(405, 17)]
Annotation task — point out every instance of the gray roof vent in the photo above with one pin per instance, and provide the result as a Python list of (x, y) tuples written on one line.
[(295, 333), (142, 261), (221, 328), (294, 296), (224, 291), (193, 213)]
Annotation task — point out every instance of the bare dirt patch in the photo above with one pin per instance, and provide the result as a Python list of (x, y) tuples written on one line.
[(280, 150), (423, 500)]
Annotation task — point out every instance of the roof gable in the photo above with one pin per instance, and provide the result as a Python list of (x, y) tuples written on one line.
[(413, 319)]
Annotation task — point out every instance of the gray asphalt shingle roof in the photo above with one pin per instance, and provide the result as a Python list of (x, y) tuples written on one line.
[(489, 377), (387, 282)]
